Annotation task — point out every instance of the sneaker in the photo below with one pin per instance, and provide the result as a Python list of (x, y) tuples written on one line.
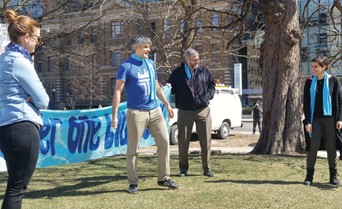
[(132, 189), (182, 174), (307, 182), (168, 183), (208, 173)]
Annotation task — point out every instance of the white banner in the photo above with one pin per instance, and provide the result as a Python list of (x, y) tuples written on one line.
[(4, 40), (238, 77)]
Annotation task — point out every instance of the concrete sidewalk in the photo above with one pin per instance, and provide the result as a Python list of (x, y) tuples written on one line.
[(152, 150)]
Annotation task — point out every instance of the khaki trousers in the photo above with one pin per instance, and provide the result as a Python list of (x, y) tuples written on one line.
[(137, 122), (185, 122)]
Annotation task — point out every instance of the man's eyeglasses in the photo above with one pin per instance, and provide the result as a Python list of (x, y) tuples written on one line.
[(195, 60)]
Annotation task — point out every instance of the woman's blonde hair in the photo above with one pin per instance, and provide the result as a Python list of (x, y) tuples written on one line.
[(19, 25)]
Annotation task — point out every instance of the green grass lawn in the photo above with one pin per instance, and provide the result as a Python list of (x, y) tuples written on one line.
[(241, 181)]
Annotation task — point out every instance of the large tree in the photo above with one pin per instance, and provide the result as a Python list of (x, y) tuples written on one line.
[(281, 79)]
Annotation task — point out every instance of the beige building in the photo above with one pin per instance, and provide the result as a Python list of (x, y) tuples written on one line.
[(84, 47)]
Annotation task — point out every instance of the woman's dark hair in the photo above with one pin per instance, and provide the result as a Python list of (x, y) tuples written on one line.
[(322, 61), (19, 25)]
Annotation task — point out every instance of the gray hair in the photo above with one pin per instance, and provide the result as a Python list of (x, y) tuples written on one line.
[(190, 52), (138, 40)]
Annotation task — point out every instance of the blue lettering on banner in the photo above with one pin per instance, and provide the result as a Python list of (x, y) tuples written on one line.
[(80, 135), (48, 128)]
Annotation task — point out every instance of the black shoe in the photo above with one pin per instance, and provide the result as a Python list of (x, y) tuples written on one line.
[(182, 174), (132, 189), (208, 173), (334, 181), (168, 183)]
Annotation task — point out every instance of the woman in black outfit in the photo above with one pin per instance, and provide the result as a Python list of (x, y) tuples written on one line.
[(323, 116)]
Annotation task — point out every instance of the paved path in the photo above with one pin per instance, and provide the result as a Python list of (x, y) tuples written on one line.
[(219, 150)]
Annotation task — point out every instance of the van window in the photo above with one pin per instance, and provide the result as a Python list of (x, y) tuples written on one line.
[(227, 91)]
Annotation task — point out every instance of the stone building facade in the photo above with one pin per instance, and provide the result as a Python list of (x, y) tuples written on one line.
[(84, 48)]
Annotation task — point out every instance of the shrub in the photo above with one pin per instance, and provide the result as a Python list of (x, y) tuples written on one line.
[(247, 110)]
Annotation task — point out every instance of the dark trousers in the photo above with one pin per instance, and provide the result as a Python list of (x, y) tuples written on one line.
[(185, 122), (256, 121), (19, 143), (325, 127)]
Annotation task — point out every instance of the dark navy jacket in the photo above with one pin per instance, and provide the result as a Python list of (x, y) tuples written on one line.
[(204, 88)]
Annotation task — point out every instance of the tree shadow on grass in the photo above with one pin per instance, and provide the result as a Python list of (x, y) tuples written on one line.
[(323, 186), (83, 187), (65, 184), (278, 182)]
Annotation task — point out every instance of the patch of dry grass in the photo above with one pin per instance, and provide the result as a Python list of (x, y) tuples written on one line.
[(241, 181)]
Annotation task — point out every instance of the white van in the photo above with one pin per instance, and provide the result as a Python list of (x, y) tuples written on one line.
[(225, 109)]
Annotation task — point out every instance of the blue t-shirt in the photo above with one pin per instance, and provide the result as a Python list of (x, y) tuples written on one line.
[(138, 84)]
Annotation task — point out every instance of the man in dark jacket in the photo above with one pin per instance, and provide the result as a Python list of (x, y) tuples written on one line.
[(257, 115), (193, 87)]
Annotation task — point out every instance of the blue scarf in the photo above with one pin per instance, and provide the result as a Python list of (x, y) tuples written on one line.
[(327, 107), (150, 69), (187, 71), (20, 49)]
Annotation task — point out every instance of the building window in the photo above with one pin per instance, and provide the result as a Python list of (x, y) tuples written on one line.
[(323, 18), (68, 39), (152, 56), (112, 81), (38, 66), (167, 28), (81, 38), (199, 28), (93, 35), (182, 25), (215, 22), (68, 64), (214, 52), (214, 47), (93, 60), (322, 38), (139, 30), (198, 48), (117, 29), (49, 64), (117, 59), (153, 26), (304, 54)]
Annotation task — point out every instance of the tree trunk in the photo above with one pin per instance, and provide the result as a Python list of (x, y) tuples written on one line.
[(282, 129), (190, 12)]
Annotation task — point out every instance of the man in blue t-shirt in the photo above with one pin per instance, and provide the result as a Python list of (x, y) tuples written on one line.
[(138, 75)]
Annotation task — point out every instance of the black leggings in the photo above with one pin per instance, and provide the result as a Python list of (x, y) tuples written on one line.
[(19, 143), (325, 127)]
